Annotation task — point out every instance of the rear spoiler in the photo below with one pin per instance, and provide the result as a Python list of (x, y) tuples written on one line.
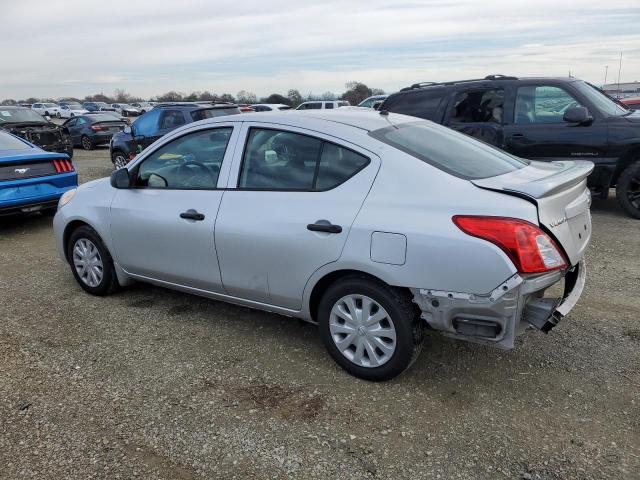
[(540, 179)]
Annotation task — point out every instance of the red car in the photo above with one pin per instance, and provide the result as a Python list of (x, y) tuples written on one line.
[(632, 102)]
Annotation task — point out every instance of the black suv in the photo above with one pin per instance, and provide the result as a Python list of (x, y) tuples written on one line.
[(152, 125), (539, 119), (36, 129)]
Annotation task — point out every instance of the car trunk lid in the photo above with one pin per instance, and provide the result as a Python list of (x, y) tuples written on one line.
[(559, 189)]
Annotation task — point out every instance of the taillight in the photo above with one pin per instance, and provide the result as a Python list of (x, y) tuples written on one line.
[(529, 248), (97, 128), (63, 166)]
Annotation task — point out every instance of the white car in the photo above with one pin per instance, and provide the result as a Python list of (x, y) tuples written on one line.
[(71, 110), (375, 226), (144, 107), (125, 109), (323, 105), (48, 109), (270, 107)]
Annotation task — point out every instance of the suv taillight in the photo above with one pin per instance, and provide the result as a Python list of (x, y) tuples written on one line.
[(63, 166), (529, 248)]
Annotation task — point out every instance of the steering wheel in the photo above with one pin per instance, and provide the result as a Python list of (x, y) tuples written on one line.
[(197, 174)]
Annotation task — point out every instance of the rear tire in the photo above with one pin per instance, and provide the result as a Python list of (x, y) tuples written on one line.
[(394, 355), (86, 142), (91, 262), (628, 189)]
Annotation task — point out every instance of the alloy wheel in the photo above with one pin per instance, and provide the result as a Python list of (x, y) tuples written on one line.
[(87, 262), (362, 330), (86, 143), (119, 161)]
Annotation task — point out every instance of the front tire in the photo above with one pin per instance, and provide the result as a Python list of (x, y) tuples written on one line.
[(119, 160), (371, 330), (91, 262), (86, 142), (628, 189), (58, 115)]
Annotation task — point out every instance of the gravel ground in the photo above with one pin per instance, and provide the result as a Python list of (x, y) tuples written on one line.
[(151, 383)]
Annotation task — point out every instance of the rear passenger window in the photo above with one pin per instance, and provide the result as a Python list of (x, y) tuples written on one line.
[(337, 165), (479, 106), (278, 160), (421, 103), (171, 119), (328, 105)]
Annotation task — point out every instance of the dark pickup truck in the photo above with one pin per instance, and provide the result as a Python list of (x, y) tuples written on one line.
[(539, 119)]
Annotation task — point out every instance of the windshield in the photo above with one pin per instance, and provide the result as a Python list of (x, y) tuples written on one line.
[(9, 142), (19, 115), (600, 100), (75, 106), (448, 150), (49, 104)]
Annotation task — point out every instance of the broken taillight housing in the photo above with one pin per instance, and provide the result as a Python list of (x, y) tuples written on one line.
[(529, 248)]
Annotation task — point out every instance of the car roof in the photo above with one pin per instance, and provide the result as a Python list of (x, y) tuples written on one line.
[(361, 118), (487, 80)]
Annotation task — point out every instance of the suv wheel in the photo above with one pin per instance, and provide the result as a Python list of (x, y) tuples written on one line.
[(119, 160), (628, 189), (86, 143), (90, 262), (371, 330)]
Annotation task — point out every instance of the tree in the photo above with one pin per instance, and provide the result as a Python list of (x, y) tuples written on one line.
[(294, 97), (207, 96), (377, 91), (328, 96), (227, 97), (171, 96), (9, 101), (121, 96), (246, 97), (276, 98), (356, 92), (192, 97)]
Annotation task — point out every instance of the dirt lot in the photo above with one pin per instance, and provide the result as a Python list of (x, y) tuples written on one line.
[(155, 384)]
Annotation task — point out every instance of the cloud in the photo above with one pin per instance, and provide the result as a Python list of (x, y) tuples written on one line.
[(150, 47)]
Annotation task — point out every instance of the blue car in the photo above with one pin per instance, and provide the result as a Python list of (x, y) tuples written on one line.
[(31, 179)]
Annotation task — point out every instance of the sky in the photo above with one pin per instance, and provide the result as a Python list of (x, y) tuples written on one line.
[(148, 47)]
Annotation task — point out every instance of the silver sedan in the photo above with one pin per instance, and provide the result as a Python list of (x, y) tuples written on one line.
[(374, 226)]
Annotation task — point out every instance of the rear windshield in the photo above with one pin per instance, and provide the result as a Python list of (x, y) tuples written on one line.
[(20, 115), (9, 142), (212, 112), (453, 152)]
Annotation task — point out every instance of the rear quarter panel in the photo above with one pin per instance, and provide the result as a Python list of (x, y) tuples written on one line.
[(417, 200)]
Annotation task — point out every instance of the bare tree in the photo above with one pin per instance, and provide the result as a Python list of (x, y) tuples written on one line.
[(246, 97), (294, 97), (356, 92)]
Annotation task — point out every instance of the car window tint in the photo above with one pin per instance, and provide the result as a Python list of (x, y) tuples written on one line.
[(328, 105), (423, 103), (190, 162), (147, 124), (448, 150), (542, 104), (479, 106), (337, 165), (277, 160), (81, 121), (313, 106), (171, 119)]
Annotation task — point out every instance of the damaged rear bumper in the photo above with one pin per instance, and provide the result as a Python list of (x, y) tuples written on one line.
[(498, 317)]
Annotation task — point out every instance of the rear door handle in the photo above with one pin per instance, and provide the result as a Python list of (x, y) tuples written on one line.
[(191, 214), (324, 227), (517, 135)]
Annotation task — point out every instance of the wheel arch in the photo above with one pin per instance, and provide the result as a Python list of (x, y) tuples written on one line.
[(329, 278), (71, 227), (631, 156)]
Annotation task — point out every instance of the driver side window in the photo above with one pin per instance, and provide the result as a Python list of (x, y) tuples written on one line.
[(190, 162), (542, 104)]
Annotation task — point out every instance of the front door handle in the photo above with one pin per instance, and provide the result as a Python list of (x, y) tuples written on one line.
[(517, 135), (324, 227), (191, 214)]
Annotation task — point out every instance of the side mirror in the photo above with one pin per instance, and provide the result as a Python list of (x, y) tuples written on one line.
[(578, 115), (120, 178)]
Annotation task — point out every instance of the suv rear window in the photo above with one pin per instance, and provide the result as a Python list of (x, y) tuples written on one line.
[(213, 112), (423, 103), (448, 150)]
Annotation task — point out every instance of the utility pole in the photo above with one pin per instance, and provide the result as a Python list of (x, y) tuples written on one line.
[(606, 69), (619, 69)]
